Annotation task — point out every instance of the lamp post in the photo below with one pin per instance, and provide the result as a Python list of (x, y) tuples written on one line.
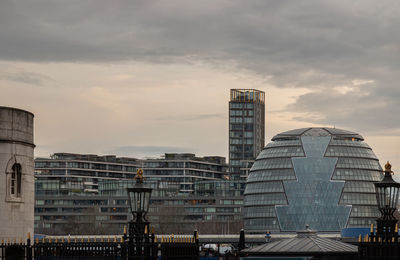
[(139, 201), (387, 195)]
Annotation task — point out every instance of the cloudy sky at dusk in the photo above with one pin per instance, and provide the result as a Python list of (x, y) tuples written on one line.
[(140, 78)]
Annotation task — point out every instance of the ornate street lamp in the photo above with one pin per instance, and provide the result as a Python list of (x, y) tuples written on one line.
[(387, 195), (139, 201)]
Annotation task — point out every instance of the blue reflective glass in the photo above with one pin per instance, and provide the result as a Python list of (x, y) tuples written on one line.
[(313, 199)]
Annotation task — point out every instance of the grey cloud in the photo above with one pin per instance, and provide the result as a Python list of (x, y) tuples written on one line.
[(29, 78), (310, 44), (362, 109)]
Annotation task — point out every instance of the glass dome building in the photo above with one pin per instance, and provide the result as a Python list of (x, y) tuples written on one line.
[(321, 177)]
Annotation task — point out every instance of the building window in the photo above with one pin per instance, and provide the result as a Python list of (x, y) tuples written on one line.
[(16, 180)]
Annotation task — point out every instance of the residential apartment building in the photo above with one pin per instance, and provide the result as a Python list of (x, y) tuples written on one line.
[(213, 207), (76, 174), (246, 130), (87, 189), (185, 169)]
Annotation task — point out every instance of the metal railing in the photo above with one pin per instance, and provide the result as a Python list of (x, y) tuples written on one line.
[(168, 247)]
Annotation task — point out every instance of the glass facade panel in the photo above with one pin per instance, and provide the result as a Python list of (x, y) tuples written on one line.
[(265, 199), (361, 222), (357, 186), (284, 143), (342, 151), (259, 212), (357, 175), (288, 151), (358, 163), (271, 175), (276, 163), (314, 198), (262, 224), (349, 143), (326, 176), (365, 211), (358, 198), (315, 146), (264, 187)]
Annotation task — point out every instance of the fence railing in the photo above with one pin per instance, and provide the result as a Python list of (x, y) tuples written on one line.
[(121, 248)]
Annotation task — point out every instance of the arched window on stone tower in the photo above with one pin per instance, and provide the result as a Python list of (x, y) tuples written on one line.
[(15, 180)]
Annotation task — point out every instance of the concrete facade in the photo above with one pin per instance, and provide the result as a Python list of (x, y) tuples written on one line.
[(16, 173)]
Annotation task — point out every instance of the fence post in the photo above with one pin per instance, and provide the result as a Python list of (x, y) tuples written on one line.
[(146, 243), (196, 240), (28, 247), (154, 246), (242, 242)]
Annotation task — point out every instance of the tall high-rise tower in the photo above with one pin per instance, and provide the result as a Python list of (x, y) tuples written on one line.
[(246, 129)]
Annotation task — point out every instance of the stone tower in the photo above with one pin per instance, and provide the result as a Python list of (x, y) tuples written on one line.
[(16, 173)]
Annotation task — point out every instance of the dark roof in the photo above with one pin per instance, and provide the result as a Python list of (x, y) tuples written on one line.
[(318, 131), (306, 243)]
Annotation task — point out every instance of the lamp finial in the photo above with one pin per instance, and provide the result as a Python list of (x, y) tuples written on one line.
[(139, 175), (388, 167)]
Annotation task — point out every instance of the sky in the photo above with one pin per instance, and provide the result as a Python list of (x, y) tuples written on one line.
[(143, 77)]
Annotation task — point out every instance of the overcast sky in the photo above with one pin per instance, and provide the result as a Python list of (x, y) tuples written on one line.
[(140, 78)]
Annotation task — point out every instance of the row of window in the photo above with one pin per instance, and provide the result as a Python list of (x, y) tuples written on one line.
[(241, 134), (71, 202), (281, 143), (358, 163), (264, 187), (358, 198), (83, 218), (81, 173), (259, 211), (241, 119), (82, 165), (233, 112), (361, 222), (358, 186), (265, 199), (271, 175), (348, 143), (365, 211), (342, 151), (276, 163), (212, 210), (240, 155), (318, 218), (269, 211), (288, 151), (357, 174), (241, 141), (241, 105), (261, 224), (241, 127), (242, 148), (163, 164)]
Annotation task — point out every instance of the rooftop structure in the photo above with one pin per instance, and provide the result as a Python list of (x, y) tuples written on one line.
[(307, 243)]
